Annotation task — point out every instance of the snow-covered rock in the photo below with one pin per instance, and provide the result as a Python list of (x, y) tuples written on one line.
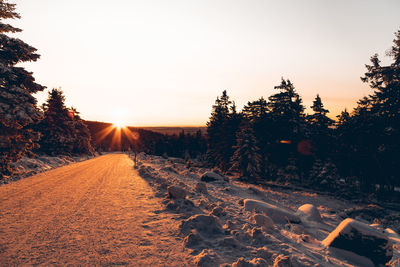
[(175, 191), (204, 224), (207, 258), (309, 212), (264, 221), (211, 176), (361, 239), (277, 214)]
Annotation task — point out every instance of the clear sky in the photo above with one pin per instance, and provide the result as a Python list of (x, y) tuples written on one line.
[(160, 63)]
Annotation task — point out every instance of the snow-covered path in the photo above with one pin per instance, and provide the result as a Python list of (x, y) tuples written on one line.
[(97, 212)]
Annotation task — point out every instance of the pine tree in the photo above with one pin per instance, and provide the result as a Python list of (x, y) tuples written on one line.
[(319, 130), (18, 111), (221, 132), (376, 123), (287, 122), (256, 113), (83, 137), (246, 158), (62, 130), (324, 174), (290, 173), (319, 120), (287, 111)]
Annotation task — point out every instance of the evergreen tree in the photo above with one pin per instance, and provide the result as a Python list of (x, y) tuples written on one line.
[(376, 122), (319, 120), (246, 158), (62, 130), (324, 175), (18, 111), (83, 137), (344, 140), (287, 110), (221, 132), (287, 122), (319, 131), (256, 113), (290, 173)]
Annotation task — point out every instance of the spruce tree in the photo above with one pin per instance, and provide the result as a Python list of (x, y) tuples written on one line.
[(256, 113), (18, 111), (287, 111), (62, 130), (221, 132), (83, 137), (246, 158), (287, 122), (319, 120), (319, 130), (376, 122)]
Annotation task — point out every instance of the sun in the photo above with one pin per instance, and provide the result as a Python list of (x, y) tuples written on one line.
[(119, 124)]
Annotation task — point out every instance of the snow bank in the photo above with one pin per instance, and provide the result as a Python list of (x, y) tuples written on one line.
[(225, 222), (26, 167)]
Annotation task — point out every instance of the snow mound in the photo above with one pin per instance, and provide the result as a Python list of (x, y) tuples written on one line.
[(208, 225), (277, 214), (361, 239), (207, 258), (264, 221), (309, 212), (201, 188), (177, 192)]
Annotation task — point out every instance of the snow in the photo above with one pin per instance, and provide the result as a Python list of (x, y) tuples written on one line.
[(309, 212), (277, 214), (362, 239), (26, 166), (249, 223)]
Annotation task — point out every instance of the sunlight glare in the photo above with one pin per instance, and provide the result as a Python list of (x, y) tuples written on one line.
[(119, 124)]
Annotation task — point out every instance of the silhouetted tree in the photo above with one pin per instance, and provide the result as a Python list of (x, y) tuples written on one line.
[(82, 135), (18, 111), (221, 132), (287, 122), (256, 113), (62, 130), (319, 131)]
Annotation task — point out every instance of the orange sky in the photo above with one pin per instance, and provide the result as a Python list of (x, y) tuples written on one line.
[(164, 62)]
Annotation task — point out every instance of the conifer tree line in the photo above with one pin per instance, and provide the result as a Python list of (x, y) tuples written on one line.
[(24, 127), (274, 139)]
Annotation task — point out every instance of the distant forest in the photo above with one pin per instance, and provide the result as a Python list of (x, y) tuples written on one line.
[(270, 139)]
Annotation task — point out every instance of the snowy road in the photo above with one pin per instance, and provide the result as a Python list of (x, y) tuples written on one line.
[(97, 212)]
